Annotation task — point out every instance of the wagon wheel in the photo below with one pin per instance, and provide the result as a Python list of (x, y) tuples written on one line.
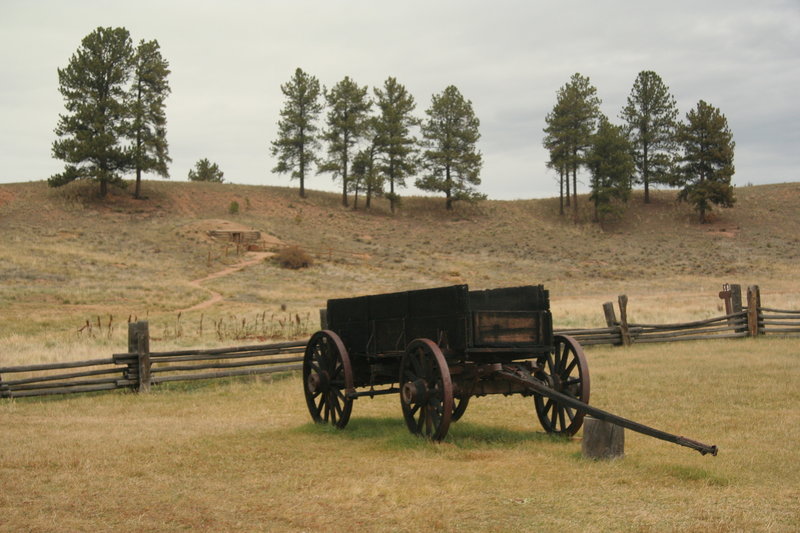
[(426, 393), (327, 378), (565, 371), (460, 403)]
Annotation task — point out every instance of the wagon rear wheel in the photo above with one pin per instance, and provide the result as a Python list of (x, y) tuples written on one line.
[(565, 371), (426, 390), (327, 379)]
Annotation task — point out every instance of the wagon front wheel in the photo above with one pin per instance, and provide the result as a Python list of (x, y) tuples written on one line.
[(565, 371), (426, 390), (327, 379)]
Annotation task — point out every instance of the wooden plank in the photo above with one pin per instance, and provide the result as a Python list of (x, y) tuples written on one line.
[(65, 390), (56, 366), (498, 327), (237, 364), (52, 385), (232, 373), (61, 377)]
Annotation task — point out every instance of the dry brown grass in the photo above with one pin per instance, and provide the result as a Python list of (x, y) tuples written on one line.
[(242, 456)]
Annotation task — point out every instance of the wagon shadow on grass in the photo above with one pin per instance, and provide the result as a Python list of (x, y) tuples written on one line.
[(393, 433)]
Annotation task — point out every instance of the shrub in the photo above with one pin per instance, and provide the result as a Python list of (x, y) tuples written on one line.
[(233, 208), (293, 257)]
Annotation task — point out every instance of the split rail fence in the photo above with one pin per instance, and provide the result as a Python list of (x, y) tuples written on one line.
[(139, 368)]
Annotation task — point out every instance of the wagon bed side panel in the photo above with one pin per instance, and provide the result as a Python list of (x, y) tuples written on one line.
[(386, 323)]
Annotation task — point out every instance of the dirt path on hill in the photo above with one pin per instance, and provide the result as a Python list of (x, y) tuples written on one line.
[(215, 297)]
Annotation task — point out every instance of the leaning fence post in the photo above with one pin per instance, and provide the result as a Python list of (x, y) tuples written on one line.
[(753, 310), (139, 344), (624, 331)]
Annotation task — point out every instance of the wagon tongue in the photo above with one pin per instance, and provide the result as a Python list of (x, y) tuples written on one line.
[(540, 387)]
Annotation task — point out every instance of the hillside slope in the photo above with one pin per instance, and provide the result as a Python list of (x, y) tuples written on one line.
[(66, 256)]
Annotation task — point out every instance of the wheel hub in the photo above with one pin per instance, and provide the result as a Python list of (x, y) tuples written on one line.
[(318, 382), (415, 392)]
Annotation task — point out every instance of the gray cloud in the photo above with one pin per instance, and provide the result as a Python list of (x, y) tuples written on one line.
[(228, 61)]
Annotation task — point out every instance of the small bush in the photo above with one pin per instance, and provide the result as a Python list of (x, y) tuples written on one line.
[(233, 208), (293, 257)]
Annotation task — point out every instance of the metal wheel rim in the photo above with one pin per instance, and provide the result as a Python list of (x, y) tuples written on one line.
[(326, 356), (568, 369), (431, 417)]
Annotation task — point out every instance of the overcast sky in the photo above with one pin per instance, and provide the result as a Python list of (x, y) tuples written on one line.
[(228, 60)]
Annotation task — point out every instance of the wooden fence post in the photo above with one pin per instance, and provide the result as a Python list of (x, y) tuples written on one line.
[(753, 310), (625, 333), (611, 317), (139, 343)]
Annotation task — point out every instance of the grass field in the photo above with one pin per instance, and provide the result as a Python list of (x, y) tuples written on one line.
[(243, 455)]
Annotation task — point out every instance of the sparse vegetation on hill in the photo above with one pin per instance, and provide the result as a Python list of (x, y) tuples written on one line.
[(66, 256)]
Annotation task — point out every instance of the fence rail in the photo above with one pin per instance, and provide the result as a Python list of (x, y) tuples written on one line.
[(138, 368)]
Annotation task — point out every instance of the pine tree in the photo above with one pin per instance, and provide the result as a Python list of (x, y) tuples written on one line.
[(707, 159), (205, 170), (571, 126), (611, 164), (556, 143), (297, 141), (651, 116), (395, 143), (95, 87), (149, 121), (451, 158), (348, 112)]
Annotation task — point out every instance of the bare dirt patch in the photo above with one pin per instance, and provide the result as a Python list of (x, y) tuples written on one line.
[(5, 197)]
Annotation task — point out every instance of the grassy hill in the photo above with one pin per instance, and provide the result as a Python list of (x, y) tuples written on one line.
[(67, 256), (242, 455)]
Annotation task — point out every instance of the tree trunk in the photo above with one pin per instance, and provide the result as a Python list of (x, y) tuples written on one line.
[(561, 191), (575, 191), (103, 188), (138, 190), (302, 177), (645, 174), (449, 187)]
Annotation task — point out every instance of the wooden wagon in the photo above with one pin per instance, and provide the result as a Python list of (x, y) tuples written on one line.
[(439, 347)]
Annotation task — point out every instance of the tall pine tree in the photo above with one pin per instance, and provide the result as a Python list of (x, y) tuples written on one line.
[(395, 143), (91, 133), (148, 117), (610, 162), (297, 141), (451, 158), (571, 126), (651, 116), (348, 113), (707, 159)]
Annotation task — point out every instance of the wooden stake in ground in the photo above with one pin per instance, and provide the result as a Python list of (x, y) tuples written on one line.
[(602, 440)]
